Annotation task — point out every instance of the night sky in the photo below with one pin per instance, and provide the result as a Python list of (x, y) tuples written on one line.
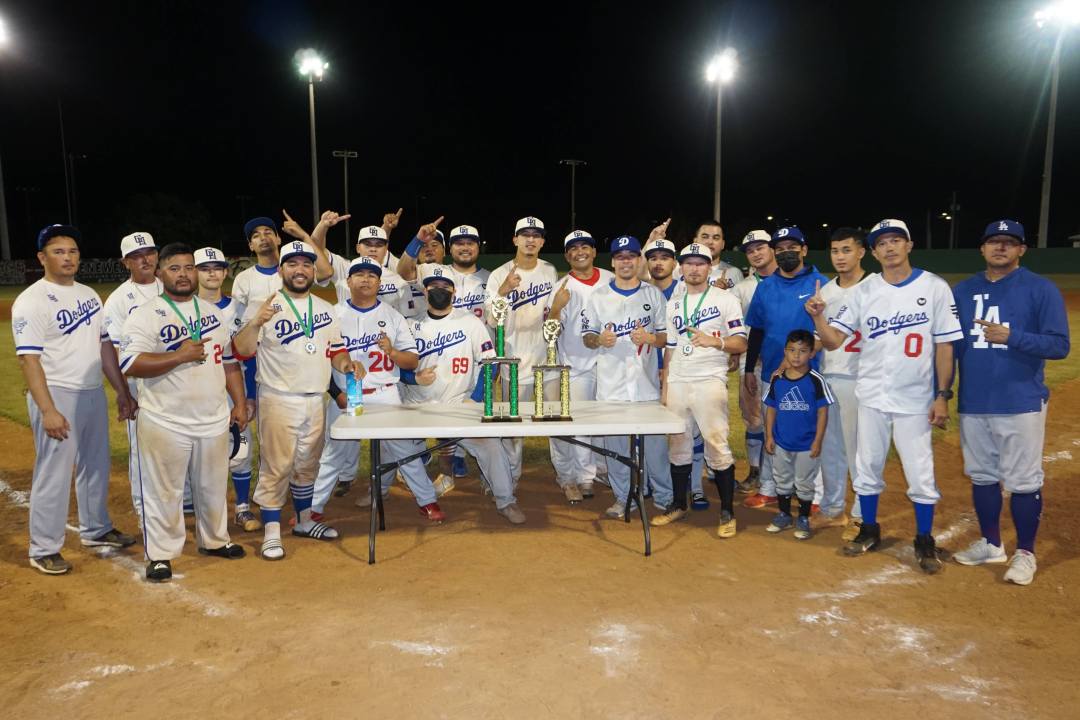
[(187, 117)]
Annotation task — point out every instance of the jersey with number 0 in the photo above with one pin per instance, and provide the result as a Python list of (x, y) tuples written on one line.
[(453, 345), (900, 325), (361, 329), (392, 289), (572, 350), (529, 304), (289, 361), (64, 325), (123, 301), (626, 372), (719, 315), (843, 361), (192, 396), (470, 289)]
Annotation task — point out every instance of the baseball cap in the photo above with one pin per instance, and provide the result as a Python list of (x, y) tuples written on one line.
[(1004, 227), (696, 250), (135, 242), (238, 443), (437, 272), (210, 256), (529, 223), (365, 263), (578, 236), (464, 232), (50, 231), (250, 225), (625, 243), (660, 245), (295, 248), (896, 227), (754, 236), (787, 233), (372, 233)]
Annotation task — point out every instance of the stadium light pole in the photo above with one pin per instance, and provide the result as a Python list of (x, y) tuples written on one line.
[(312, 67), (720, 70), (573, 189), (5, 239), (346, 156)]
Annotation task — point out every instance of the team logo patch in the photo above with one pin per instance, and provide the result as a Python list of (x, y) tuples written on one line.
[(161, 312), (51, 297), (734, 323), (794, 400), (382, 323), (647, 307), (19, 325), (486, 345), (921, 301)]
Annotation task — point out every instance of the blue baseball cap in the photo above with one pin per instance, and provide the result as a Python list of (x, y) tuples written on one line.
[(791, 232), (365, 263), (1004, 227), (625, 243), (250, 225), (889, 226), (50, 231)]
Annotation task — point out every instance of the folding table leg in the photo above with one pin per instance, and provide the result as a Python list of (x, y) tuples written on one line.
[(376, 499), (637, 452), (635, 481)]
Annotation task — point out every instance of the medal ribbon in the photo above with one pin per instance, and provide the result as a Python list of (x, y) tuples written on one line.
[(686, 320), (309, 326), (195, 331)]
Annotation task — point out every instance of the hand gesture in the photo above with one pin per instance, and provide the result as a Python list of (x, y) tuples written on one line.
[(425, 376), (815, 305), (192, 350), (660, 231), (268, 310), (384, 344), (994, 332), (639, 336), (561, 298), (513, 279), (126, 407), (608, 337), (720, 282), (939, 413), (427, 232), (291, 227), (770, 445), (331, 218), (238, 415), (699, 338), (391, 220), (56, 425)]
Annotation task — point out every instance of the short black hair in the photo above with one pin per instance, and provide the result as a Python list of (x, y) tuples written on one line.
[(176, 248), (843, 233), (801, 336), (708, 221)]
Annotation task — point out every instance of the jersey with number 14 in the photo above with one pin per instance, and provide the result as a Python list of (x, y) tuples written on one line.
[(454, 345), (900, 325)]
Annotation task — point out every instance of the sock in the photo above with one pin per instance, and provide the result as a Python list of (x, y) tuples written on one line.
[(725, 485), (271, 530), (301, 497), (241, 480), (680, 482), (805, 506), (868, 505), (270, 516), (924, 518), (987, 502), (1026, 511), (783, 503)]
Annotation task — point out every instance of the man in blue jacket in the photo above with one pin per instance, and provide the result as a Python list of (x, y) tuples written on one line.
[(1013, 321)]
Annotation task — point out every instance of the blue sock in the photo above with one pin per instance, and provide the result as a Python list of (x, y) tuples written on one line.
[(924, 518), (1026, 511), (868, 505), (987, 501), (269, 516), (241, 481), (301, 497)]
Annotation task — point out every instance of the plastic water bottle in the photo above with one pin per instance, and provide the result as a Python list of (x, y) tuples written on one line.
[(354, 396)]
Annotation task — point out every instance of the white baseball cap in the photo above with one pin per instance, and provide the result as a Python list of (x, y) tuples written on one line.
[(695, 250), (210, 256), (755, 236), (529, 223), (372, 232), (296, 247), (660, 245), (579, 236), (438, 272), (136, 241), (464, 232), (887, 226)]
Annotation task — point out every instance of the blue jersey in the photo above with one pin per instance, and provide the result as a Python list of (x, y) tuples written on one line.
[(1008, 379), (778, 308), (796, 402)]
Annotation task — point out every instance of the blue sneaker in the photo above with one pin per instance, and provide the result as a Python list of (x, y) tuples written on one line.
[(781, 522), (698, 501), (460, 469), (802, 528)]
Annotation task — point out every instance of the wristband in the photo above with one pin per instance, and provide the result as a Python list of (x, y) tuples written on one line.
[(413, 248)]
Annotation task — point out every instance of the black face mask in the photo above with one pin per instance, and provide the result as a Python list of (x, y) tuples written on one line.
[(788, 260), (439, 298)]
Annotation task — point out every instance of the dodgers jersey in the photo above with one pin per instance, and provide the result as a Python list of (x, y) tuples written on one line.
[(361, 329), (470, 289), (252, 286), (719, 316), (122, 301), (998, 379), (64, 325), (626, 372), (288, 360), (190, 397), (899, 325), (392, 289), (844, 360), (453, 344), (778, 307), (529, 305), (572, 350)]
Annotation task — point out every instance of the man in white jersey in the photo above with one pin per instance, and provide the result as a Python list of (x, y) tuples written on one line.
[(527, 283), (63, 348), (624, 324), (371, 242), (907, 321), (180, 347), (840, 367), (140, 256), (722, 274), (296, 338), (451, 343), (432, 252), (377, 337), (704, 324)]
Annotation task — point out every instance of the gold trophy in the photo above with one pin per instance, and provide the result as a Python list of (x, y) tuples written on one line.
[(500, 309), (552, 329)]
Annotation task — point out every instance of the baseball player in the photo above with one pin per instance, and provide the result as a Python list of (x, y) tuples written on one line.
[(527, 283), (723, 274), (179, 346), (63, 348), (377, 337), (705, 323), (907, 322), (625, 325), (451, 343), (371, 242), (432, 252), (293, 333), (1013, 322), (139, 255)]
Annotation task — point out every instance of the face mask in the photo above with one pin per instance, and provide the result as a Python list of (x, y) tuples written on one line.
[(788, 260), (439, 298)]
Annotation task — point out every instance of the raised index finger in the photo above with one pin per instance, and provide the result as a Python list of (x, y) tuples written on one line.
[(439, 220), (285, 214), (982, 322), (817, 287), (398, 213)]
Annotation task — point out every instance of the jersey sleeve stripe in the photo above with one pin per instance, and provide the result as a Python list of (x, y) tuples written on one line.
[(127, 361), (20, 348), (824, 386), (837, 323)]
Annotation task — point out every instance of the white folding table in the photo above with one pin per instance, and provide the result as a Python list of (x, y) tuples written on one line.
[(450, 423)]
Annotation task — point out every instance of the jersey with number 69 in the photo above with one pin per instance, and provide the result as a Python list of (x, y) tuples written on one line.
[(361, 329), (626, 372), (900, 325), (454, 345), (844, 360)]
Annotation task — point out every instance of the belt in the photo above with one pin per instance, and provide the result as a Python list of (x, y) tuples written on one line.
[(370, 390)]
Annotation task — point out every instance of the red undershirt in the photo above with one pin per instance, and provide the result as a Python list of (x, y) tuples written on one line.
[(592, 280)]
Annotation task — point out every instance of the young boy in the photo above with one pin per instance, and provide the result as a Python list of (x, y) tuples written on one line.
[(796, 413)]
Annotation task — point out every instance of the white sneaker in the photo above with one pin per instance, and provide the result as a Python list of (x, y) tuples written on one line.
[(981, 552), (443, 484), (1021, 568), (618, 510)]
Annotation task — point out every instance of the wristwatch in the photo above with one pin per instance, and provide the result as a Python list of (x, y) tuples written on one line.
[(945, 394)]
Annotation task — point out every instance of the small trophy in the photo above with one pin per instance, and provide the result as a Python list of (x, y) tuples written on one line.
[(500, 308), (552, 330)]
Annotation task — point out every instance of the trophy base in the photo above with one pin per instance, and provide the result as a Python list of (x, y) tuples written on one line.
[(550, 418), (501, 418)]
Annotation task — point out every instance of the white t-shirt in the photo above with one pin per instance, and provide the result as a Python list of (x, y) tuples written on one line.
[(65, 325), (122, 301), (572, 350), (252, 286), (288, 360), (392, 289), (454, 345), (744, 290), (899, 325), (843, 361), (719, 315), (626, 372), (191, 397), (361, 329), (529, 305)]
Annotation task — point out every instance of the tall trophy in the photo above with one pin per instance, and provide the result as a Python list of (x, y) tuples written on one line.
[(504, 412), (552, 329)]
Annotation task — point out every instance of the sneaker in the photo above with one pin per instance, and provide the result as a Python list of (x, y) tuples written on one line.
[(158, 571), (364, 501), (54, 564), (443, 484), (981, 552), (758, 500), (671, 514), (867, 539), (343, 488), (1021, 568), (927, 554), (838, 520), (618, 510), (512, 513), (586, 491), (781, 522), (698, 501), (751, 484), (852, 530), (726, 528), (246, 519), (433, 512), (573, 494), (460, 469), (802, 528), (229, 551), (113, 538)]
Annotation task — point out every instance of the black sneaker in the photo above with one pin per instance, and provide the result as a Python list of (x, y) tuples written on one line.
[(343, 488), (926, 553), (158, 570), (229, 551), (868, 539), (54, 564), (751, 484), (113, 538)]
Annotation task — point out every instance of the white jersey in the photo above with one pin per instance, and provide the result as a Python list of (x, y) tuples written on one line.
[(229, 309), (572, 350), (719, 315), (65, 326), (390, 261), (392, 289), (897, 327), (470, 289), (626, 372), (191, 397), (288, 360), (122, 301), (454, 345), (744, 290), (843, 361), (252, 286), (417, 301), (723, 275), (529, 305), (361, 329)]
